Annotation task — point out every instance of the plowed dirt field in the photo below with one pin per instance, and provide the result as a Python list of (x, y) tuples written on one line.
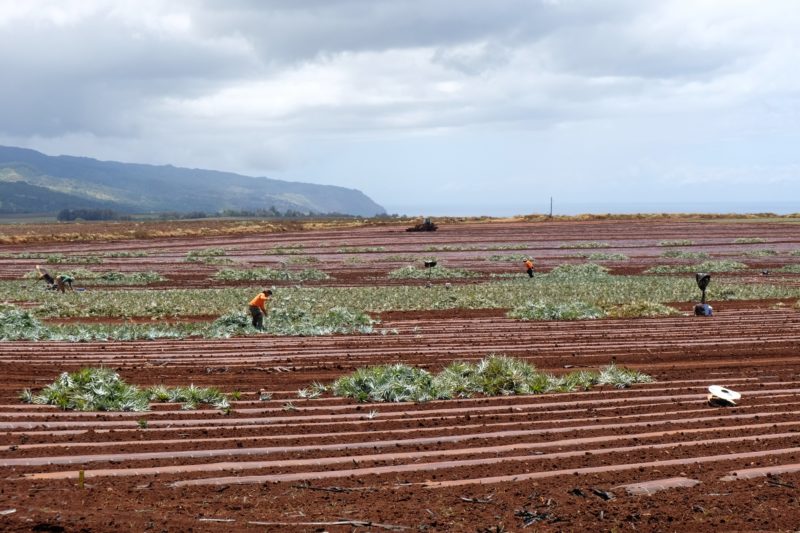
[(653, 457)]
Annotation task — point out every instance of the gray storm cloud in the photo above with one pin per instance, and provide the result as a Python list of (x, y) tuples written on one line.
[(280, 86)]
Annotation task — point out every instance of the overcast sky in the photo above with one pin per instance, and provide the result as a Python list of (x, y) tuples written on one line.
[(428, 106)]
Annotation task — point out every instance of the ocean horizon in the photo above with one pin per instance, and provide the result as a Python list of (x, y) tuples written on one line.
[(601, 208)]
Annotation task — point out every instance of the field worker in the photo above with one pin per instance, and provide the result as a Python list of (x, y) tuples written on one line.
[(258, 308), (529, 267), (703, 310), (43, 274), (63, 281)]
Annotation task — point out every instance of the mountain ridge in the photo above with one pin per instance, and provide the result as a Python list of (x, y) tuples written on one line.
[(137, 187)]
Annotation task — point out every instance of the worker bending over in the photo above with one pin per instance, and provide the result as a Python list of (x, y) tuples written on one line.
[(45, 275), (63, 282), (258, 308)]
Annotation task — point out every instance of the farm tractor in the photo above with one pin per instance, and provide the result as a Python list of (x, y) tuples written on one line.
[(426, 225)]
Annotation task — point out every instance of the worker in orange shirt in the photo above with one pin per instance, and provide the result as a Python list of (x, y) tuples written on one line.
[(529, 267), (258, 308)]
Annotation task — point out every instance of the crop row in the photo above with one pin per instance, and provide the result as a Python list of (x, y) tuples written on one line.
[(600, 290)]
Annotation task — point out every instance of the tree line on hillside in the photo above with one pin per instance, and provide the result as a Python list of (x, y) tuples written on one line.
[(272, 212), (70, 215)]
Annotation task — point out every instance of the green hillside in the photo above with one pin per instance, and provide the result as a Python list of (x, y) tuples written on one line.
[(21, 197), (34, 182)]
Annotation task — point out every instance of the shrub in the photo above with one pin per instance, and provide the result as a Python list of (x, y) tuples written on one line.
[(584, 271), (110, 277), (456, 381), (749, 240), (197, 256), (130, 278), (792, 269), (301, 260), (126, 253), (720, 266), (360, 249), (91, 389), (315, 390), (492, 376), (285, 321), (270, 274), (17, 324), (55, 259), (683, 254), (101, 389), (589, 244), (641, 308), (190, 397), (541, 310), (676, 242), (77, 273), (230, 324), (508, 257), (125, 332), (344, 320), (437, 272), (581, 380), (601, 256), (621, 377), (287, 249), (668, 269), (510, 246), (706, 266), (499, 375), (452, 248), (766, 252), (399, 258), (28, 255), (386, 383)]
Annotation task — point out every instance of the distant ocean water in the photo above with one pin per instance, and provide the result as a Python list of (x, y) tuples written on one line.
[(597, 208)]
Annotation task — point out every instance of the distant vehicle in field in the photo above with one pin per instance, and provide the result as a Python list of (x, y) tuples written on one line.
[(426, 225)]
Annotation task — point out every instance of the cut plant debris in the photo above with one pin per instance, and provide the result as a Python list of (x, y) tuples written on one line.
[(285, 321), (540, 310), (17, 324), (270, 274), (603, 256), (436, 272), (199, 256), (587, 244), (641, 309), (706, 266), (496, 375), (676, 242), (102, 389), (578, 272), (684, 254)]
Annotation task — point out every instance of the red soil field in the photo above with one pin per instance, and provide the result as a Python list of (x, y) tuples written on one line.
[(654, 457)]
